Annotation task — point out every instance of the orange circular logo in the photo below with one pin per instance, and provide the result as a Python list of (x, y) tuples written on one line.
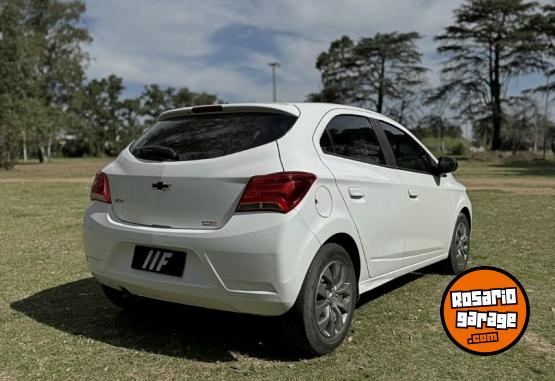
[(485, 310)]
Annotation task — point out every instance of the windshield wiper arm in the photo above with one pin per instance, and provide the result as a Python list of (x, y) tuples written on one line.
[(156, 153)]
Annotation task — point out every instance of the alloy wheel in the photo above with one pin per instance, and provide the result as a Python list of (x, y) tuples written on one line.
[(461, 244), (334, 298)]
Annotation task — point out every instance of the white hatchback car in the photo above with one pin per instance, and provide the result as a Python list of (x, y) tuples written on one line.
[(273, 209)]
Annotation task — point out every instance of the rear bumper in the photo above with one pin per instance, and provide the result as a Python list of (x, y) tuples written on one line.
[(255, 264)]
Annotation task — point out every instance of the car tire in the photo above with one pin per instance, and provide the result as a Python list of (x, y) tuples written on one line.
[(121, 299), (322, 314), (459, 251)]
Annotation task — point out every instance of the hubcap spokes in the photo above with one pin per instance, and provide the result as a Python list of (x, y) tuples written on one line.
[(461, 243), (333, 299)]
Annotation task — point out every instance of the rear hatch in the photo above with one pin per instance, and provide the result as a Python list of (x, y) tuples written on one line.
[(190, 169)]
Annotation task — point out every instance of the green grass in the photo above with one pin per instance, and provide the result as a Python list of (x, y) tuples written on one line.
[(63, 169), (55, 323), (523, 169)]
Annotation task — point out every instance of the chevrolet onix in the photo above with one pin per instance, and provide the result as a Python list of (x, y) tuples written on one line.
[(273, 209)]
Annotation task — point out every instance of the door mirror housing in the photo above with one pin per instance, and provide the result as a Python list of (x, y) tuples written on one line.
[(446, 165)]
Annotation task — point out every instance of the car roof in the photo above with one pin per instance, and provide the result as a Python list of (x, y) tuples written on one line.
[(325, 107)]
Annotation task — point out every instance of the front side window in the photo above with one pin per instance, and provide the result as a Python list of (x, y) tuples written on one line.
[(408, 153), (199, 137), (352, 137)]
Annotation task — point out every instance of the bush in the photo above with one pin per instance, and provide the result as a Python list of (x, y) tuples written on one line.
[(76, 148), (459, 149), (453, 146)]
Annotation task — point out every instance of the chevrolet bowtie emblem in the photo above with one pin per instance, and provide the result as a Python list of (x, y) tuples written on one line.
[(161, 186)]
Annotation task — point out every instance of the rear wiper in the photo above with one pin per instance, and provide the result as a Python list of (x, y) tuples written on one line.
[(156, 153)]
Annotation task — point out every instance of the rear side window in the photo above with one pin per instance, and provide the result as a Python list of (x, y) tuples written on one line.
[(352, 137), (408, 153), (199, 137)]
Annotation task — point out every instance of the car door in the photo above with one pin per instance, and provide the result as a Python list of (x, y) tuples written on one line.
[(426, 196), (373, 193)]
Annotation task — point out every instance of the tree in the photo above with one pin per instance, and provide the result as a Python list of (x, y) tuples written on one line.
[(57, 38), (339, 78), (129, 117), (490, 42), (543, 94), (328, 95), (17, 65), (41, 66), (544, 26), (111, 122), (43, 94), (382, 72), (100, 106), (523, 118), (185, 98), (389, 65), (155, 100)]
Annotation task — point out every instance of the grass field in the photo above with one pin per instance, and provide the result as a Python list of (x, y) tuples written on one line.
[(56, 324)]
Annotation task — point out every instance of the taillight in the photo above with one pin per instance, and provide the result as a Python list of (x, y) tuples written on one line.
[(276, 192), (100, 190)]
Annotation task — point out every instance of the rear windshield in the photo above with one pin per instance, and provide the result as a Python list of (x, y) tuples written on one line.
[(199, 137)]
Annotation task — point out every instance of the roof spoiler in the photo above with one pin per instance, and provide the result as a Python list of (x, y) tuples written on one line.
[(283, 108)]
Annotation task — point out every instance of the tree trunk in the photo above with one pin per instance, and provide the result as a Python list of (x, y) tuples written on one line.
[(545, 122), (49, 149), (45, 150), (381, 89), (42, 154), (2, 153), (497, 112), (514, 141), (496, 103), (535, 137), (24, 146), (441, 145), (9, 150)]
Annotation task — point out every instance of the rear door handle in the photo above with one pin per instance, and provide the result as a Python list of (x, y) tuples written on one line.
[(412, 194), (356, 193)]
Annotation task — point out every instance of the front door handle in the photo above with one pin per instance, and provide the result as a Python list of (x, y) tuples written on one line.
[(412, 194), (356, 193)]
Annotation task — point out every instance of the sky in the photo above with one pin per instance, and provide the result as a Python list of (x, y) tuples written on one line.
[(224, 47)]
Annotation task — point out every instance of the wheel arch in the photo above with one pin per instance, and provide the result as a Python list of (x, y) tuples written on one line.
[(466, 212), (349, 244)]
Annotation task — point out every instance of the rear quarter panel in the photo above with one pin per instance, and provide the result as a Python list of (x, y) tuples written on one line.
[(298, 153)]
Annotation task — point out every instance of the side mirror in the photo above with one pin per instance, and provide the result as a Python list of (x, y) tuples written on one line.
[(446, 165)]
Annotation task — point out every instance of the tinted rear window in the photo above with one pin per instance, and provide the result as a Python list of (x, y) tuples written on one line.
[(199, 137)]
